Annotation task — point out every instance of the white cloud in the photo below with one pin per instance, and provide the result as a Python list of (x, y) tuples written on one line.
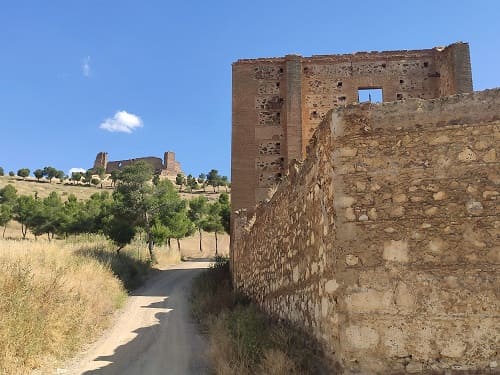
[(86, 70), (123, 122), (76, 170)]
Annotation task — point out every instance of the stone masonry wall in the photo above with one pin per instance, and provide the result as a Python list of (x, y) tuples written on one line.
[(156, 163), (384, 243)]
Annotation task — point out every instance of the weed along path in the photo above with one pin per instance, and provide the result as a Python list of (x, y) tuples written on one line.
[(154, 334)]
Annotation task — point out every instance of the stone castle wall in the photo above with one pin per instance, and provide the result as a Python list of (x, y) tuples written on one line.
[(166, 167), (156, 163), (279, 102), (171, 166), (384, 243)]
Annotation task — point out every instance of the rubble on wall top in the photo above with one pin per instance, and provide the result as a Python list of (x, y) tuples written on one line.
[(475, 95), (409, 52)]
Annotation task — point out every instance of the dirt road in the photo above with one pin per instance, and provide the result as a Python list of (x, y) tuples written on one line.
[(154, 334)]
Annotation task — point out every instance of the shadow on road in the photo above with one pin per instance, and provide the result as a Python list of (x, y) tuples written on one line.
[(122, 353), (171, 345)]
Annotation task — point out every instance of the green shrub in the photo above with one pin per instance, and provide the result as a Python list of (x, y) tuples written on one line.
[(242, 338), (212, 292), (249, 329)]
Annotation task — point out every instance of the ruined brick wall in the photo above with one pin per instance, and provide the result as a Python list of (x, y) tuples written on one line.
[(454, 69), (167, 167), (171, 166), (279, 102), (384, 243), (101, 160), (156, 163)]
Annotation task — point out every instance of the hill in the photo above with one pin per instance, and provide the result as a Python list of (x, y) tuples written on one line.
[(30, 186)]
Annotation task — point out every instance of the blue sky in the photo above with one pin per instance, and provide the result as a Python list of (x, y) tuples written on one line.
[(67, 67)]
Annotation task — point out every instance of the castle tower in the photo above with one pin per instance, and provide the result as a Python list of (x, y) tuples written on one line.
[(172, 166), (101, 160), (279, 102)]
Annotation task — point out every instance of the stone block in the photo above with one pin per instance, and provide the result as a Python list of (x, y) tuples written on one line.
[(331, 286), (362, 337), (369, 301), (396, 251)]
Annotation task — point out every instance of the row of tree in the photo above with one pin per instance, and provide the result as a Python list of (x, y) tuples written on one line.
[(212, 178), (138, 203), (48, 172)]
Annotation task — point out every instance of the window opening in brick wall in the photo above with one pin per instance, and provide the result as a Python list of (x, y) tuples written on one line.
[(373, 95)]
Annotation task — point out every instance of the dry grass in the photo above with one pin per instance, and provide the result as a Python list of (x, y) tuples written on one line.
[(189, 245), (30, 186), (56, 296), (276, 362)]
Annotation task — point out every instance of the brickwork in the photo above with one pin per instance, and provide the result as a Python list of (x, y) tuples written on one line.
[(101, 160), (384, 242), (170, 165), (282, 100)]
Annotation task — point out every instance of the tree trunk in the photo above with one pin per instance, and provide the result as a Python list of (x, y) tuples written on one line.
[(48, 236), (216, 243), (178, 244), (151, 247), (4, 229), (199, 230), (118, 250), (24, 230), (150, 239), (168, 242)]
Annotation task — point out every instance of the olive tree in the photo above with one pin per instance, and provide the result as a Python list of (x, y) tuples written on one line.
[(23, 172)]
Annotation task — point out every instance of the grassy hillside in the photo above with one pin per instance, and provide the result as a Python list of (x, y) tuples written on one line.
[(189, 246), (30, 186)]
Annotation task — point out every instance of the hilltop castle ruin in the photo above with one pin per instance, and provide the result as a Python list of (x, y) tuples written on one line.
[(168, 167)]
